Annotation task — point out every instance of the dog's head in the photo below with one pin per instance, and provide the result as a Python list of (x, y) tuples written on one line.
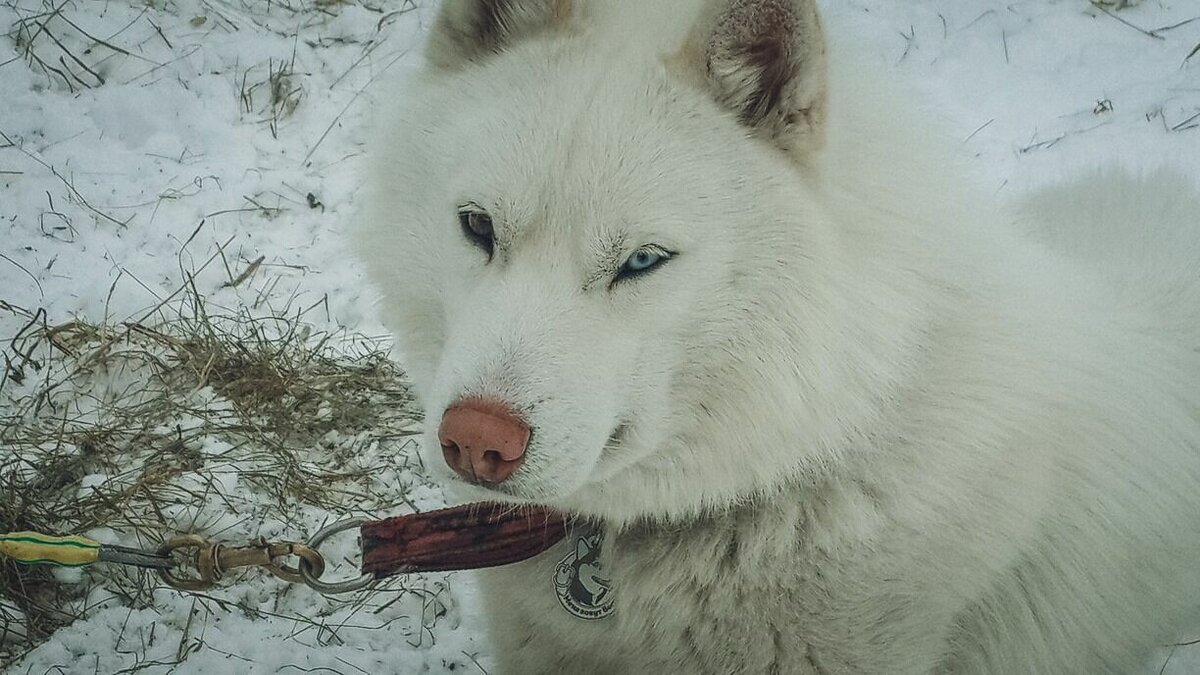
[(601, 243)]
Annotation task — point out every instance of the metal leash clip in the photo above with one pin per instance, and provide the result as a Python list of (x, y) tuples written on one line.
[(209, 561)]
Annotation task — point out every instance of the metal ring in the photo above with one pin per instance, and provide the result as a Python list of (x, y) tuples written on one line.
[(292, 575), (333, 588)]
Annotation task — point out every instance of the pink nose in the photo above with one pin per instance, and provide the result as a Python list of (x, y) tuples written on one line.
[(483, 440)]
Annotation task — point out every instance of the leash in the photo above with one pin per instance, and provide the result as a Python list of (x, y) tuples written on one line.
[(475, 536)]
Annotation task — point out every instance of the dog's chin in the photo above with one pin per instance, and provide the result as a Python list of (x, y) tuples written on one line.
[(516, 492), (459, 491), (534, 488)]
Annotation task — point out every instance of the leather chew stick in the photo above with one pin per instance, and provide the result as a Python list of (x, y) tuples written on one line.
[(460, 538)]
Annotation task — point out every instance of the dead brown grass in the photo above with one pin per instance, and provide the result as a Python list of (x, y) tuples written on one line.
[(137, 427)]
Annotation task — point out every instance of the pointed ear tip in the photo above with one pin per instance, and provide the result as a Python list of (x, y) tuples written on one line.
[(764, 60), (466, 30)]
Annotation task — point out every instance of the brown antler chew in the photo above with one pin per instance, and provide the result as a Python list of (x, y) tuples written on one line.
[(465, 537)]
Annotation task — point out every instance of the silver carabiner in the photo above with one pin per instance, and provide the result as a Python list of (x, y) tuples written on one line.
[(311, 578)]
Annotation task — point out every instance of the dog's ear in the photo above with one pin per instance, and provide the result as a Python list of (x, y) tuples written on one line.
[(469, 30), (765, 61)]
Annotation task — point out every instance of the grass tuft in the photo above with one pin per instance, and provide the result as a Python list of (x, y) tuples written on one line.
[(146, 429)]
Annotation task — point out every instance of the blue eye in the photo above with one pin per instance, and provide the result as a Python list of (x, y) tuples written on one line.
[(643, 260)]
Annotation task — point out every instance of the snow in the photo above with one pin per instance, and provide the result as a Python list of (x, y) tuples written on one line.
[(235, 126)]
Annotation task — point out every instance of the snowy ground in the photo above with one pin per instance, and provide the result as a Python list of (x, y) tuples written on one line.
[(141, 137)]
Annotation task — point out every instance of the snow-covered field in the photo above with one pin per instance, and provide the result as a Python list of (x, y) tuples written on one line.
[(141, 138)]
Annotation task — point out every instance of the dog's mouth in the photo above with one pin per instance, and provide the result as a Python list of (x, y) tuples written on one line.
[(518, 488), (617, 438)]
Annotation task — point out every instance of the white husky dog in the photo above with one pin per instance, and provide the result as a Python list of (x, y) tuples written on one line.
[(685, 271)]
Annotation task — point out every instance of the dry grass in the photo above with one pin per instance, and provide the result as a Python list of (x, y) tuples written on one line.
[(49, 41), (230, 423), (146, 427), (272, 97)]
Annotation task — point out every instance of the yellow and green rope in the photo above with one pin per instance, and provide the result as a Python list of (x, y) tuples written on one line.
[(32, 548)]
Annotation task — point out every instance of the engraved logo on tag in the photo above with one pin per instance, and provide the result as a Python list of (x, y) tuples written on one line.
[(583, 588)]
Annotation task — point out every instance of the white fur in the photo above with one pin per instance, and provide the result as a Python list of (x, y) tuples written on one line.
[(873, 425)]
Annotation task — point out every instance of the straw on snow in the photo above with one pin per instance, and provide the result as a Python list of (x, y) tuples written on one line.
[(139, 427)]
